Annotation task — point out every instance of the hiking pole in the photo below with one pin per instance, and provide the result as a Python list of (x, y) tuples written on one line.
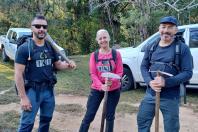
[(106, 75), (55, 47)]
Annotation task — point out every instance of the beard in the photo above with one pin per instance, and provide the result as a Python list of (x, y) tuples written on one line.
[(167, 33), (167, 36), (40, 35)]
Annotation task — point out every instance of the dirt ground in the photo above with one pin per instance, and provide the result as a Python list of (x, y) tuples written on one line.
[(123, 123)]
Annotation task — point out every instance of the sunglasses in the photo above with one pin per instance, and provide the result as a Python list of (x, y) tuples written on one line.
[(38, 26)]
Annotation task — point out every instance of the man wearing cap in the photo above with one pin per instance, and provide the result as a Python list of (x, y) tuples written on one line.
[(162, 58)]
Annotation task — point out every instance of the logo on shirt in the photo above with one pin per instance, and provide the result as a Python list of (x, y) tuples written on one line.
[(42, 63), (43, 55), (44, 60), (105, 67)]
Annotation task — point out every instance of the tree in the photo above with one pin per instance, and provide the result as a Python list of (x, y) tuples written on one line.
[(73, 23)]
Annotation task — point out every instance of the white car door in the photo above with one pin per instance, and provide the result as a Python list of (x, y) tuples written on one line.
[(12, 45), (7, 43), (193, 44), (143, 47)]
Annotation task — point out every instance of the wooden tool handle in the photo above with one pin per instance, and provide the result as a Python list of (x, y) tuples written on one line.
[(55, 47)]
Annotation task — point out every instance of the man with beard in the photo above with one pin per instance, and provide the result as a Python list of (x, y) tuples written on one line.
[(162, 59), (35, 79)]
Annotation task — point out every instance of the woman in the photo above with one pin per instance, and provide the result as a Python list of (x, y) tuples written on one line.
[(104, 63)]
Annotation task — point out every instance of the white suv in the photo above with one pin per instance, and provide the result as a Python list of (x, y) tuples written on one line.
[(132, 58)]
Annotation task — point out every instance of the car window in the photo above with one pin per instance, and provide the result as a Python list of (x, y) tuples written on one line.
[(14, 36), (193, 43), (9, 34)]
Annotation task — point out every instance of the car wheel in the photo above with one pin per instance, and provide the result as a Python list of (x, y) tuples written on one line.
[(5, 58), (127, 80)]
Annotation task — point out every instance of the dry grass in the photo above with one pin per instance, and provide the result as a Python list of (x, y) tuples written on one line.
[(73, 109), (9, 121)]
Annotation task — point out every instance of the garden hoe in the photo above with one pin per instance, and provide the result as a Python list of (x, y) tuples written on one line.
[(106, 75), (55, 47), (157, 100), (157, 106)]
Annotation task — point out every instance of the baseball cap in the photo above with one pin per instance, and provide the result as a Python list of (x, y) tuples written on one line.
[(169, 19)]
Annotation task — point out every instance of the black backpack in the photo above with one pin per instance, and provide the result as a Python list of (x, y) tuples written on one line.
[(23, 39), (20, 41), (114, 57)]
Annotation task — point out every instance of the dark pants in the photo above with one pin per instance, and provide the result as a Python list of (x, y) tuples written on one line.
[(169, 109), (45, 104), (93, 103)]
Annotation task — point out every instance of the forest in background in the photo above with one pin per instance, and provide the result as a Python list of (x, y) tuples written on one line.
[(73, 23)]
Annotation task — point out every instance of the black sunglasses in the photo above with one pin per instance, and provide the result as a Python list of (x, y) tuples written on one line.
[(38, 26)]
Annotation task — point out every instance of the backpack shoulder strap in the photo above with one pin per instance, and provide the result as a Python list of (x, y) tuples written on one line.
[(50, 48), (96, 55), (30, 48), (114, 55), (179, 39), (48, 45), (152, 49), (177, 55)]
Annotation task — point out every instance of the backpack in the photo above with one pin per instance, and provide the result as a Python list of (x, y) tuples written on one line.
[(22, 40), (25, 38), (114, 57)]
